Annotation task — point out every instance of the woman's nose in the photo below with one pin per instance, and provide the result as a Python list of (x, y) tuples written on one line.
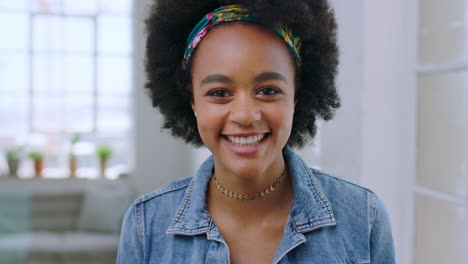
[(244, 111)]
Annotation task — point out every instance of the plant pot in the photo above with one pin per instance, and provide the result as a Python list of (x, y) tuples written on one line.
[(102, 167), (38, 167), (73, 163), (13, 165)]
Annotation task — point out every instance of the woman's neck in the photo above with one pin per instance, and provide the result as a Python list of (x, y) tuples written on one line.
[(246, 177), (247, 184)]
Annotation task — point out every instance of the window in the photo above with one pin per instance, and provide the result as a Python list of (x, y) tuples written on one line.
[(66, 68), (441, 199)]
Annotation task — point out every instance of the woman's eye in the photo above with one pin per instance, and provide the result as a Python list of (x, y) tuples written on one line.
[(219, 93), (268, 91)]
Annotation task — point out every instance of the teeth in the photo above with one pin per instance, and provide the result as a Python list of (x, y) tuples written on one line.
[(245, 141)]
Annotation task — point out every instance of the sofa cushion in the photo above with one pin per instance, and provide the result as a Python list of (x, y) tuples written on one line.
[(55, 212), (15, 210), (66, 242), (72, 247), (14, 248), (90, 248), (85, 242), (104, 205), (46, 242)]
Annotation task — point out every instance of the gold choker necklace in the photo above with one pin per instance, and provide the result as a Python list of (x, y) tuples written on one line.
[(237, 196)]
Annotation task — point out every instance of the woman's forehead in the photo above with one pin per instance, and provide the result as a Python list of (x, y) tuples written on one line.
[(242, 48)]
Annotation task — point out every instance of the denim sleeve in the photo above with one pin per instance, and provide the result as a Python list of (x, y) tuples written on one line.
[(131, 246), (382, 250)]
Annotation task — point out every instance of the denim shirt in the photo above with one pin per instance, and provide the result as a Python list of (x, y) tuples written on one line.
[(330, 221)]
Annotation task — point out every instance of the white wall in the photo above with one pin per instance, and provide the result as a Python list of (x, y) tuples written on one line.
[(390, 107), (159, 157), (341, 142)]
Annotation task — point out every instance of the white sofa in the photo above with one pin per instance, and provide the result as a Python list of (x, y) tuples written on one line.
[(61, 221)]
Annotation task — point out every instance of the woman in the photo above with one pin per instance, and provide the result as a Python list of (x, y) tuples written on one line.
[(248, 79)]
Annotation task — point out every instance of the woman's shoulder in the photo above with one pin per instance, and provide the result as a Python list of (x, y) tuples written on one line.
[(345, 195), (322, 183), (330, 182), (170, 190)]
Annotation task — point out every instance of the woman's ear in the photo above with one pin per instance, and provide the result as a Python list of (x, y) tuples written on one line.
[(296, 85), (192, 103)]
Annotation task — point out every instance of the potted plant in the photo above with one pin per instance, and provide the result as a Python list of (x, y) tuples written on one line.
[(73, 162), (13, 157), (104, 153), (38, 159)]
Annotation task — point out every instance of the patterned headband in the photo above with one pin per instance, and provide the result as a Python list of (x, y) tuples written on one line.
[(232, 13)]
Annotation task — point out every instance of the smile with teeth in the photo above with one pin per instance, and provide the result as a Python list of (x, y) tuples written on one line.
[(246, 141)]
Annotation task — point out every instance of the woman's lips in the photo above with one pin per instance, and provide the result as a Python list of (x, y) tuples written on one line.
[(246, 144), (246, 140)]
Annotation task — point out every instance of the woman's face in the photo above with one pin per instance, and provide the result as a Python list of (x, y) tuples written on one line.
[(243, 96)]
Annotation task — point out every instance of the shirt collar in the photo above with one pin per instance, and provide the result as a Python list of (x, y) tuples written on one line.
[(310, 209)]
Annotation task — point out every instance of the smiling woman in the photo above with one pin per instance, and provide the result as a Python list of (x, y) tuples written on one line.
[(248, 82)]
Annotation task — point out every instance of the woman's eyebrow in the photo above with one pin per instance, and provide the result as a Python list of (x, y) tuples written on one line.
[(216, 78), (267, 76)]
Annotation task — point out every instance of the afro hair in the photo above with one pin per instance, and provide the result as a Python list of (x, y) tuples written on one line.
[(170, 88)]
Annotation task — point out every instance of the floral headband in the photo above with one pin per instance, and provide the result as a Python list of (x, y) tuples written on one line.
[(232, 13)]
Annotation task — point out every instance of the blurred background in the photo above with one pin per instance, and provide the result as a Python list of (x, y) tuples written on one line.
[(81, 136)]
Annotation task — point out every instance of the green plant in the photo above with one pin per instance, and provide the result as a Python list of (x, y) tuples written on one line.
[(14, 153), (76, 137), (35, 155), (104, 152)]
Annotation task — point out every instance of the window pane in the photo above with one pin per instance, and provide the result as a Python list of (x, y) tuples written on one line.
[(13, 113), (442, 132), (47, 6), (114, 114), (14, 83), (112, 40), (116, 6), (443, 31), (80, 7), (79, 35), (69, 78), (48, 77), (113, 122), (437, 14), (439, 232), (115, 75), (79, 77), (14, 37), (78, 114), (47, 113), (14, 4), (48, 33), (444, 45), (54, 34), (14, 73)]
